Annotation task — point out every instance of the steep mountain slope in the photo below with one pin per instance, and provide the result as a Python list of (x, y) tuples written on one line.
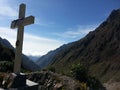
[(6, 43), (46, 59), (29, 64), (7, 51), (6, 54), (99, 50)]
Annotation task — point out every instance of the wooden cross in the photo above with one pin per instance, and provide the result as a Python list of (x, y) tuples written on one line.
[(20, 23)]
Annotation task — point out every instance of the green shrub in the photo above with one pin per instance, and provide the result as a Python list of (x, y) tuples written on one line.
[(6, 66), (94, 84), (83, 86), (79, 72), (51, 68)]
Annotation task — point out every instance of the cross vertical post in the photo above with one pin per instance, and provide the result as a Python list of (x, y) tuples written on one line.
[(19, 42), (20, 23)]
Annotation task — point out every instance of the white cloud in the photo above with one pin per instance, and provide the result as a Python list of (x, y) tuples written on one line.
[(6, 9), (76, 32), (32, 45)]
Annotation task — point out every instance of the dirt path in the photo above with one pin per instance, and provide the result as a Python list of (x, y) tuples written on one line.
[(112, 85)]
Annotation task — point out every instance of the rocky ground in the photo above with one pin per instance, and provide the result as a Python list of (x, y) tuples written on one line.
[(47, 81), (53, 81), (112, 85)]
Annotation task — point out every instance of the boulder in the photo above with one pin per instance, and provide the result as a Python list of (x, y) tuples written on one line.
[(14, 81)]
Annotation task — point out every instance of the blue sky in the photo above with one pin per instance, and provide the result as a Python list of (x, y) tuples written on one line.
[(57, 22)]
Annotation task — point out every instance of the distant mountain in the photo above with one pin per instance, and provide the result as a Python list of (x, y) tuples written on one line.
[(99, 50), (33, 58), (29, 64), (26, 62), (44, 60)]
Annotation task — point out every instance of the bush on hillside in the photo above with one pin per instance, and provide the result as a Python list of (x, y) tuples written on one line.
[(94, 84), (79, 72), (6, 66), (51, 68)]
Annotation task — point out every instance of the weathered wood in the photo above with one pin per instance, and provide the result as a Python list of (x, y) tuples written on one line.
[(20, 23), (22, 10)]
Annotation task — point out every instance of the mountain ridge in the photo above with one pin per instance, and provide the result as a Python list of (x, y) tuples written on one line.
[(99, 50)]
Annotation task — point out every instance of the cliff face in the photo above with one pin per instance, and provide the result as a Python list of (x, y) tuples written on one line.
[(99, 50)]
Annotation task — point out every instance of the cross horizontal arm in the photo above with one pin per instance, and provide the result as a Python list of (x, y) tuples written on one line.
[(22, 22)]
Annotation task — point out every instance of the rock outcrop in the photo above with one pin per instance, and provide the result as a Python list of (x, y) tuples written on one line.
[(52, 81)]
